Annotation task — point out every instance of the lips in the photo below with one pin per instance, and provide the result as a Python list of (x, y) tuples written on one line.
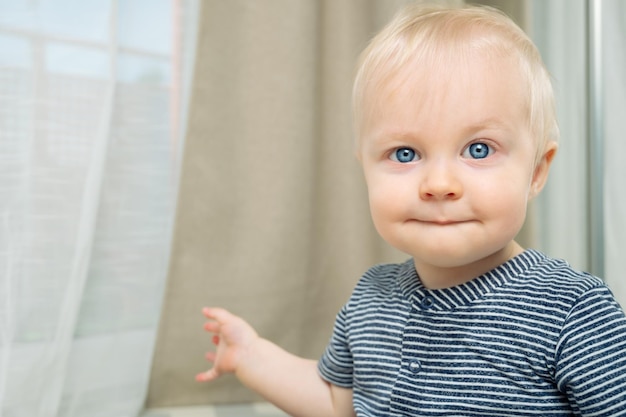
[(440, 222)]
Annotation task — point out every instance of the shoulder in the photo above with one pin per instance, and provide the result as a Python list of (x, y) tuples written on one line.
[(385, 272), (386, 278), (382, 284), (548, 290), (554, 277)]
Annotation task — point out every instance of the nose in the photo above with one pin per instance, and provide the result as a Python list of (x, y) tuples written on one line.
[(440, 182)]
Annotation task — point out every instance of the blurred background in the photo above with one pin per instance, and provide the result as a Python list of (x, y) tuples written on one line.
[(157, 156)]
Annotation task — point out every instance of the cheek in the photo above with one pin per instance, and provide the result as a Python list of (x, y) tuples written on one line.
[(502, 194), (382, 204), (384, 212), (387, 202), (507, 202), (388, 195)]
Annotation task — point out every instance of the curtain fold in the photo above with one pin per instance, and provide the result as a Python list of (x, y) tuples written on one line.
[(273, 219), (558, 29), (614, 125), (92, 96), (561, 32)]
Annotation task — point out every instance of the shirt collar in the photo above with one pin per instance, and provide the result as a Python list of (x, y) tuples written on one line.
[(449, 298)]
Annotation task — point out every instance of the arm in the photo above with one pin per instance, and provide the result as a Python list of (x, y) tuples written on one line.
[(591, 357), (290, 382)]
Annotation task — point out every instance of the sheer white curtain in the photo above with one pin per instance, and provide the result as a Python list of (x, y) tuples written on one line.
[(92, 109), (591, 104)]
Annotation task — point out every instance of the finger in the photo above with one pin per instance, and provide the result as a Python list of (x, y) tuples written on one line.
[(216, 340), (219, 314), (210, 356), (212, 327), (207, 376)]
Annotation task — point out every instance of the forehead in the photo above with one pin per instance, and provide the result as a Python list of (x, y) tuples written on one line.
[(463, 89)]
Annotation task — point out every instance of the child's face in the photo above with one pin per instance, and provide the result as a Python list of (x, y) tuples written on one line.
[(448, 161)]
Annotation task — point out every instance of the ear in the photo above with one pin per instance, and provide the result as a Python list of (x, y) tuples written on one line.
[(540, 175)]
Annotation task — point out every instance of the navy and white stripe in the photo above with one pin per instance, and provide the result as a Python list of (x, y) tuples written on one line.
[(532, 337)]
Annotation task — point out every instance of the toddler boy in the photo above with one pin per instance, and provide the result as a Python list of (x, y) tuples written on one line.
[(455, 131)]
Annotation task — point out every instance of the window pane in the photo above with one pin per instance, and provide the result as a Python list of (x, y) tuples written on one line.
[(143, 70), (16, 52), (146, 25), (76, 60), (84, 19)]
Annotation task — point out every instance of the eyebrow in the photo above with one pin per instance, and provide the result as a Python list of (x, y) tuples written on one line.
[(489, 123), (399, 135)]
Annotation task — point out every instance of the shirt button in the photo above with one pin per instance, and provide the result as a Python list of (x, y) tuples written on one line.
[(427, 303), (415, 366)]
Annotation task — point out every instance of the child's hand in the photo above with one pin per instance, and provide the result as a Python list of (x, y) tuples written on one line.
[(232, 336)]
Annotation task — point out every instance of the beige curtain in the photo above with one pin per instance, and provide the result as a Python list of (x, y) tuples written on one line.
[(273, 221)]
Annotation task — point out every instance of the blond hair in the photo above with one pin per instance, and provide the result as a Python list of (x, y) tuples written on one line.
[(424, 34)]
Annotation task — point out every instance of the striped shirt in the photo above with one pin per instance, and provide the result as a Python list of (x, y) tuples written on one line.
[(532, 337)]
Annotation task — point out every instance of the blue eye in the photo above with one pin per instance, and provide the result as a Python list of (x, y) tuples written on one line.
[(479, 150), (404, 155)]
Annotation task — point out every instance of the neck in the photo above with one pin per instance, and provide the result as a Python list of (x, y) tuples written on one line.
[(437, 277)]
